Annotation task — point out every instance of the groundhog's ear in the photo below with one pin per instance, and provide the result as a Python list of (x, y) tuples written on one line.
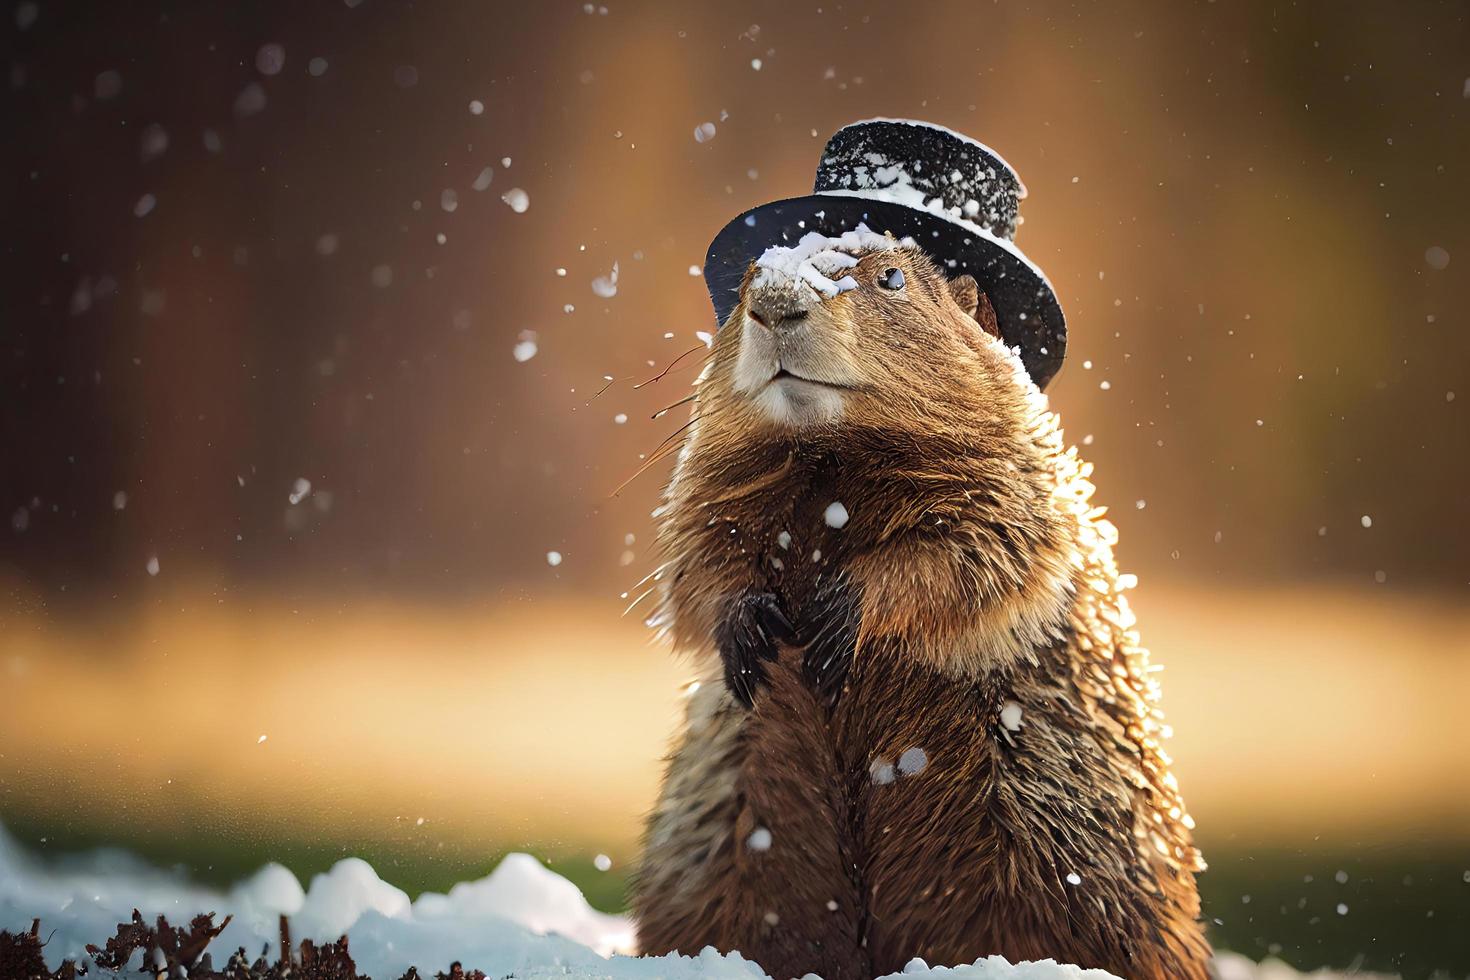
[(968, 297)]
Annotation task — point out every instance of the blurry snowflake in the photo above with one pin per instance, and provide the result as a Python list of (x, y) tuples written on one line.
[(250, 101), (518, 200), (525, 348), (270, 59), (107, 85), (607, 286), (152, 143)]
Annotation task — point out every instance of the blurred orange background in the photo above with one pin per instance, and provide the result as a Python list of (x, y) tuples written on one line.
[(229, 274)]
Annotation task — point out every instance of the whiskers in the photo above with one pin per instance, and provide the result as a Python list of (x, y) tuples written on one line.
[(669, 408), (671, 442), (659, 376)]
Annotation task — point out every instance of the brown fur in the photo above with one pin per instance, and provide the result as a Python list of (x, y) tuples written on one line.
[(980, 575)]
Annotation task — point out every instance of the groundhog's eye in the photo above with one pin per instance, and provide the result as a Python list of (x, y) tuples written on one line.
[(891, 279)]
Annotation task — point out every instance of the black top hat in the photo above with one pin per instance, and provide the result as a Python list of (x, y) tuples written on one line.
[(956, 198)]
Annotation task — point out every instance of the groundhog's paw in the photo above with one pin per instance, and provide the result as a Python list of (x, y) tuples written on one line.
[(748, 637)]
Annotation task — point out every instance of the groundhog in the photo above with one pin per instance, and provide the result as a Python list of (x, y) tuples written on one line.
[(922, 724)]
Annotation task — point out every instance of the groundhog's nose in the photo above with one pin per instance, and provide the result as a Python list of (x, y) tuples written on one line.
[(778, 308)]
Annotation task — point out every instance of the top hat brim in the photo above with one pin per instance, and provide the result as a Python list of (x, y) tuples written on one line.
[(1026, 308)]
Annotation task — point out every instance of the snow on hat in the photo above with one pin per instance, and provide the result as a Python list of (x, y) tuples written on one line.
[(956, 198)]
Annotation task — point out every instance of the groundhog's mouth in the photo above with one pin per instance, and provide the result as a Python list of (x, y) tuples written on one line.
[(786, 375)]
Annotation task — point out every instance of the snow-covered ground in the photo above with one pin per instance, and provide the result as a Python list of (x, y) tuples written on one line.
[(521, 919)]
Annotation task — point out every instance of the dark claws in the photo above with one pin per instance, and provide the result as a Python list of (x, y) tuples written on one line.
[(757, 625), (748, 638), (772, 617)]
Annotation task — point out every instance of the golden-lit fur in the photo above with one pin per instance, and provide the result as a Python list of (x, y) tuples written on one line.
[(991, 729)]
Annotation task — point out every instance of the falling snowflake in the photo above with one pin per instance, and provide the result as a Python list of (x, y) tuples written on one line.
[(250, 101), (270, 59), (107, 85), (152, 143), (525, 348), (518, 200), (607, 286)]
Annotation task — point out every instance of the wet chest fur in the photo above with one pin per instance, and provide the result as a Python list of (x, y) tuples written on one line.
[(967, 835)]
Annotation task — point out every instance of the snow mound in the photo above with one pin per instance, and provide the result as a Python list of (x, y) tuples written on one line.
[(519, 919)]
